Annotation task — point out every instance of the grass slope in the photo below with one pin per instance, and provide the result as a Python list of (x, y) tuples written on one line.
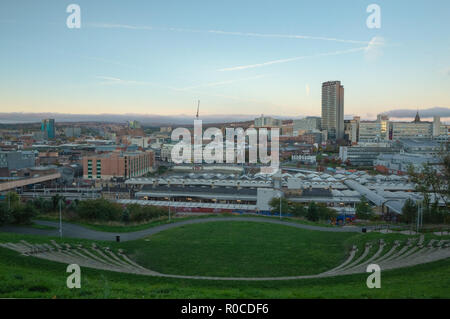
[(120, 227), (29, 277), (236, 248)]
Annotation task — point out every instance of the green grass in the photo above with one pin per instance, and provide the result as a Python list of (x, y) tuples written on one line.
[(37, 226), (31, 277), (236, 248), (120, 227), (113, 227)]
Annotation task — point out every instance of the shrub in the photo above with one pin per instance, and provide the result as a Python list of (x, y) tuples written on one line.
[(312, 213), (43, 205), (142, 213), (298, 210), (5, 216), (326, 213), (363, 209), (125, 216), (99, 209), (22, 214)]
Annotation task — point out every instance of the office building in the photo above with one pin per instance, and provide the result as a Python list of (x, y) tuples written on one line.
[(117, 164), (48, 127), (333, 109), (72, 131), (17, 160), (310, 123), (265, 121)]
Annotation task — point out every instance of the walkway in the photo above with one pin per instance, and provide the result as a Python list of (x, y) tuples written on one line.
[(77, 231)]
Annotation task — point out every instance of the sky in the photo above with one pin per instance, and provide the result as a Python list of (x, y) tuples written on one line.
[(237, 57)]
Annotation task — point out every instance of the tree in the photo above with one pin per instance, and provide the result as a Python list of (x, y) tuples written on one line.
[(409, 211), (55, 201), (5, 216), (298, 210), (99, 209), (326, 213), (23, 214), (275, 205), (434, 178), (125, 216), (363, 209), (12, 199), (312, 213)]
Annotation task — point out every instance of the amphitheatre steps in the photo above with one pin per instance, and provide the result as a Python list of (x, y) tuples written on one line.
[(401, 254)]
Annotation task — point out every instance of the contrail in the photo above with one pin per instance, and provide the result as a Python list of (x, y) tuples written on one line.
[(213, 84), (258, 65), (233, 33)]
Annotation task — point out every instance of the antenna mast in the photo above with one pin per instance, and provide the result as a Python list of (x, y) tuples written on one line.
[(198, 108)]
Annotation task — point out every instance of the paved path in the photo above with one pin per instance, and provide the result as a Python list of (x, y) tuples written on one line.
[(77, 231)]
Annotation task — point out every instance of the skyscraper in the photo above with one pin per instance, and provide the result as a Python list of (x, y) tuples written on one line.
[(333, 109), (48, 127)]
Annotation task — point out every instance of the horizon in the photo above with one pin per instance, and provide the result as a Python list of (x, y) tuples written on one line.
[(150, 119)]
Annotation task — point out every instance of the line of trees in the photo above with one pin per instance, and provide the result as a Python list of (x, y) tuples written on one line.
[(432, 214), (363, 210), (313, 212), (13, 211), (431, 179)]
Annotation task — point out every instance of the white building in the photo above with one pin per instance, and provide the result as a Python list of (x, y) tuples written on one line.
[(310, 123), (265, 121)]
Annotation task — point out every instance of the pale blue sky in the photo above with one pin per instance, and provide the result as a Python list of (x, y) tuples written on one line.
[(159, 57)]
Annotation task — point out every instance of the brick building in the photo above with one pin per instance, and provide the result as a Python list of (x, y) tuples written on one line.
[(117, 164)]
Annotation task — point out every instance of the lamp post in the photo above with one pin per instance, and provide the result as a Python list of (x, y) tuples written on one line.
[(280, 204), (419, 216), (170, 201), (60, 219)]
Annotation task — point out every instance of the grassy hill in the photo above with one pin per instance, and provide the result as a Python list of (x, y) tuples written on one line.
[(223, 248)]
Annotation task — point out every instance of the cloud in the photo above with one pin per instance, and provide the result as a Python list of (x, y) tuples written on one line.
[(374, 48), (258, 65), (308, 90), (426, 113)]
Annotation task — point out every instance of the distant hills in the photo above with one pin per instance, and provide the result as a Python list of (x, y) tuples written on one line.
[(148, 119)]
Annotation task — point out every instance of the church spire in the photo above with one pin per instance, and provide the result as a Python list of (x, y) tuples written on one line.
[(417, 119)]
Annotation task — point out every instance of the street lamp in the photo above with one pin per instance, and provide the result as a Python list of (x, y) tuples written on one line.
[(170, 201), (60, 219), (419, 215), (280, 205)]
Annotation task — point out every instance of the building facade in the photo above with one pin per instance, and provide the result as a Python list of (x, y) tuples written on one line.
[(333, 109), (265, 121), (373, 131), (310, 123), (72, 131), (48, 128), (117, 164), (17, 160)]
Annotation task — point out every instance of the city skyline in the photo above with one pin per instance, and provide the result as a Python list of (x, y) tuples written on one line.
[(155, 58)]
